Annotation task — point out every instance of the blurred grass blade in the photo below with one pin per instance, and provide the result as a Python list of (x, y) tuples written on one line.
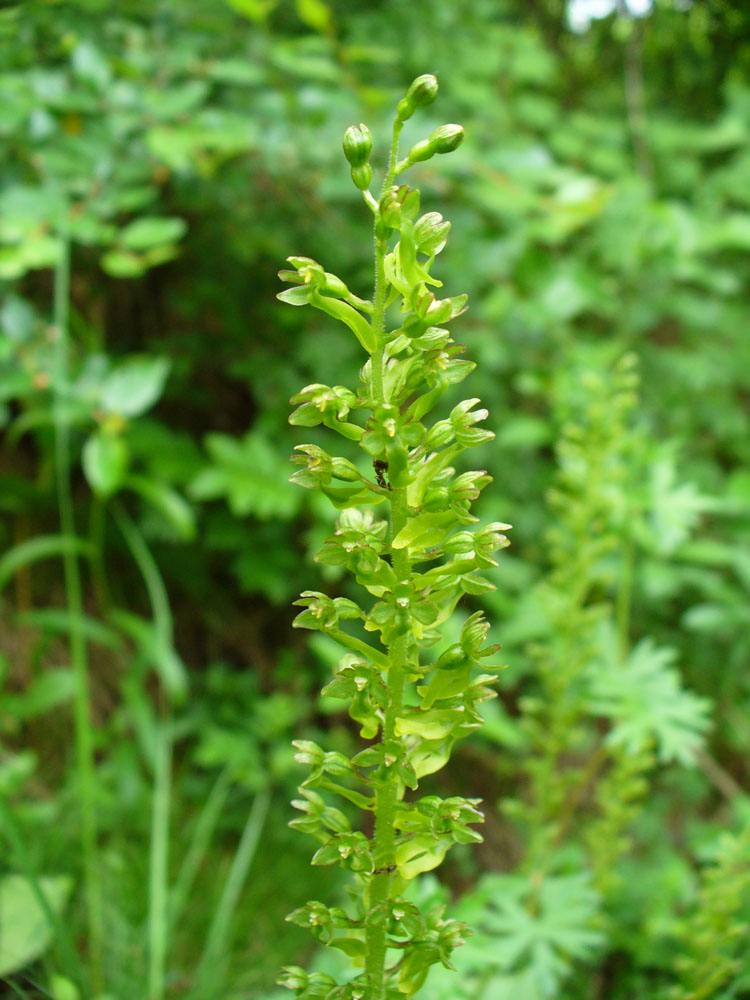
[(204, 829), (82, 716), (41, 547), (158, 918), (58, 620), (172, 671), (219, 931)]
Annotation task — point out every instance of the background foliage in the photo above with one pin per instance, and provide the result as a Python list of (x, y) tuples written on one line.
[(176, 153)]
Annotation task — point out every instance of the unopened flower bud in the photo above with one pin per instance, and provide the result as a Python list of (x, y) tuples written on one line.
[(452, 658), (293, 978), (422, 92), (459, 544), (362, 176), (357, 145), (446, 138), (439, 435), (333, 285), (342, 468)]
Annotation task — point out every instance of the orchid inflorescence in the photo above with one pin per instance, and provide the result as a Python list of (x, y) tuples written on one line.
[(411, 694)]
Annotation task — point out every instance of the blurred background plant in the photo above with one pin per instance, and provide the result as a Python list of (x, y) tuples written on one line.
[(159, 162)]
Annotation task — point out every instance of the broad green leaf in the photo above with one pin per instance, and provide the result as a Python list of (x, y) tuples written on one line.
[(255, 10), (25, 933), (316, 14), (90, 65), (177, 100), (18, 318), (134, 385), (62, 988), (240, 72), (123, 264), (152, 231), (105, 462)]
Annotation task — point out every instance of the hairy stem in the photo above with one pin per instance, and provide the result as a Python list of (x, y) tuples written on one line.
[(387, 795), (378, 318)]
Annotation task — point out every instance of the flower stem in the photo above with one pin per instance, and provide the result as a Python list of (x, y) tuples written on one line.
[(387, 795)]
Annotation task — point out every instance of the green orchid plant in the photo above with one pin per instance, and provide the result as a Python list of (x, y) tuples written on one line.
[(412, 695)]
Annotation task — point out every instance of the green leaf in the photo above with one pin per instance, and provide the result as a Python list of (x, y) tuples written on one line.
[(424, 531), (51, 689), (152, 231), (42, 547), (63, 989), (26, 933), (134, 385), (251, 475), (57, 620), (353, 947), (168, 502), (421, 854), (314, 13), (347, 315), (257, 11), (240, 72), (532, 929), (121, 264), (157, 648), (105, 462), (647, 703), (90, 65)]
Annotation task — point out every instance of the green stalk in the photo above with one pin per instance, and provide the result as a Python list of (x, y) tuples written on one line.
[(158, 923), (84, 732), (96, 537), (152, 578), (378, 317), (386, 797), (158, 904)]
